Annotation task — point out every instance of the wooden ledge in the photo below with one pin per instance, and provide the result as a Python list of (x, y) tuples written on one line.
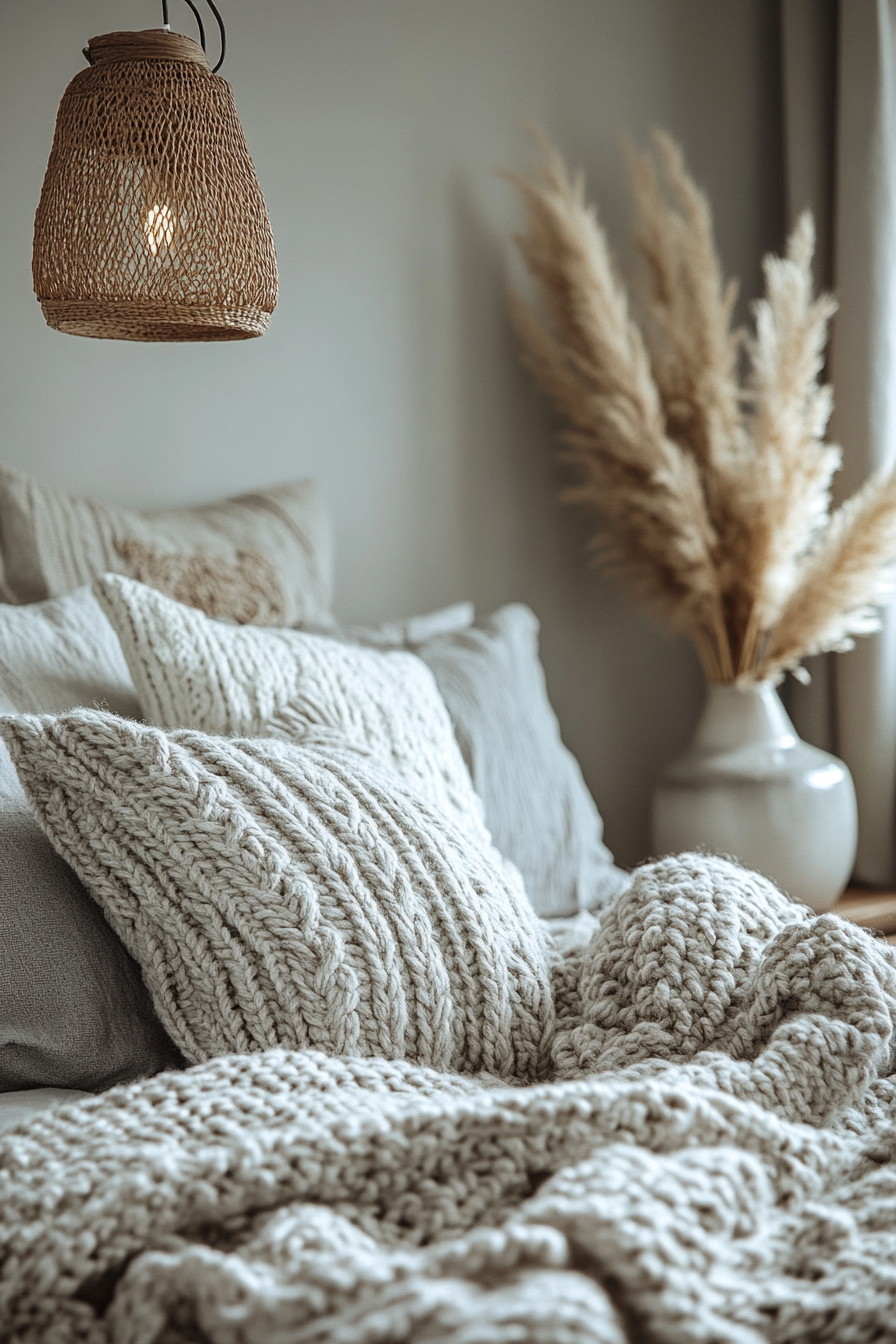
[(872, 909)]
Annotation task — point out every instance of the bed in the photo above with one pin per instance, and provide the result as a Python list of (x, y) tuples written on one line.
[(327, 1015)]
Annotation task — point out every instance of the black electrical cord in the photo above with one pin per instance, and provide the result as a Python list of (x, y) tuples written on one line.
[(198, 19), (214, 9)]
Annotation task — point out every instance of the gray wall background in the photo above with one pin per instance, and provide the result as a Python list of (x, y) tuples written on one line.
[(390, 373)]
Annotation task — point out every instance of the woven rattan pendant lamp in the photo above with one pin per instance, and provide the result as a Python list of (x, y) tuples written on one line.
[(151, 224)]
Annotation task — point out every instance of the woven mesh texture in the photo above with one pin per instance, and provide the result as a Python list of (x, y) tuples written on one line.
[(151, 224)]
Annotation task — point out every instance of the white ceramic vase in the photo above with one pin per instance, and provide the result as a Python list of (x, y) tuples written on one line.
[(750, 788)]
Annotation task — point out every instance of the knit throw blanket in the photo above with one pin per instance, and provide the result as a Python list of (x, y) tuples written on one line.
[(714, 1159)]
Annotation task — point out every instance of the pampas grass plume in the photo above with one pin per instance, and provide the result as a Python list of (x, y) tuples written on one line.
[(715, 492)]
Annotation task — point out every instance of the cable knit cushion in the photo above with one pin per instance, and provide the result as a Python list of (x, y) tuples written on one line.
[(278, 895), (198, 673), (74, 1011), (263, 558)]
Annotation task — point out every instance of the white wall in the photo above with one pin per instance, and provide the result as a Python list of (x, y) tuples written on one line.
[(389, 372)]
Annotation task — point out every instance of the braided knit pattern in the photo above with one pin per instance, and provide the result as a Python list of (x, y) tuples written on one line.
[(194, 672), (279, 895)]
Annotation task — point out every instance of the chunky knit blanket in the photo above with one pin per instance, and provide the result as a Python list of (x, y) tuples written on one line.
[(715, 1160)]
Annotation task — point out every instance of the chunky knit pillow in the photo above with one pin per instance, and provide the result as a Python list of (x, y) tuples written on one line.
[(193, 672), (281, 895)]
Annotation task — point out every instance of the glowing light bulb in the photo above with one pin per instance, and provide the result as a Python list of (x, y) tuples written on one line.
[(158, 226)]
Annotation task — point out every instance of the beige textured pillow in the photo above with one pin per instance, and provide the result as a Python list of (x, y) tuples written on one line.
[(58, 654), (276, 895), (263, 558), (192, 672)]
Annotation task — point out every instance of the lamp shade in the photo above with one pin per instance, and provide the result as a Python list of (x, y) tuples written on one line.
[(151, 225)]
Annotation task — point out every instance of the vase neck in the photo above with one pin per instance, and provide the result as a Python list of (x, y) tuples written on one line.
[(735, 716)]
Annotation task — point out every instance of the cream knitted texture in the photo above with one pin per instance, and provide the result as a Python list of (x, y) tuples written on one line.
[(275, 895), (194, 672), (293, 1198), (287, 1197), (703, 961)]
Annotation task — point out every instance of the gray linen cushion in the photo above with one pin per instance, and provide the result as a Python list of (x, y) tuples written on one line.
[(537, 805), (278, 895), (264, 558), (74, 1011)]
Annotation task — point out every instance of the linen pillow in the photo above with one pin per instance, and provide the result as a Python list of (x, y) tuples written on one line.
[(408, 631), (191, 671), (537, 806), (74, 1011), (280, 895), (62, 653), (262, 558)]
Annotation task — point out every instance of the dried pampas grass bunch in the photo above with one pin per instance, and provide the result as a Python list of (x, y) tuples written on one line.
[(716, 492)]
